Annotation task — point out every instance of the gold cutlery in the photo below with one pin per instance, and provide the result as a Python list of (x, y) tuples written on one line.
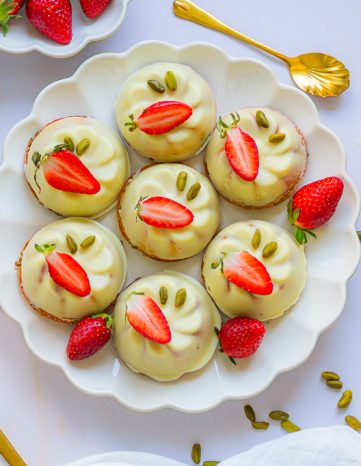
[(8, 452), (316, 73)]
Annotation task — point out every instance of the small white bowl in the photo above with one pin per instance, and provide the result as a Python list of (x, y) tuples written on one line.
[(24, 38)]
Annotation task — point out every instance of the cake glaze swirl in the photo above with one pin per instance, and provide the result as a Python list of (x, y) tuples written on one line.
[(104, 262), (286, 267), (193, 341), (282, 165), (185, 140), (106, 158), (162, 243)]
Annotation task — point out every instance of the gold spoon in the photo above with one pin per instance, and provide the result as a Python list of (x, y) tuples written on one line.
[(316, 73), (8, 452)]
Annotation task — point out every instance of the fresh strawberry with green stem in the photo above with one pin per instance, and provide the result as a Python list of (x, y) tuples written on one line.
[(313, 205), (89, 336), (65, 270), (241, 337), (8, 11), (161, 117), (241, 149), (93, 8), (64, 170), (162, 212), (245, 271), (147, 318), (53, 18)]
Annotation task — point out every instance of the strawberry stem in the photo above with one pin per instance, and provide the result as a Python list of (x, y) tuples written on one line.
[(6, 7), (132, 124), (45, 249), (223, 127), (107, 318)]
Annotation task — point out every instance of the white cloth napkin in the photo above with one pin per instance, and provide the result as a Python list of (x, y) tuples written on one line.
[(327, 446)]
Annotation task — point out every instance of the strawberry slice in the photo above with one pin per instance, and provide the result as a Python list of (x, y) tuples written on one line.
[(68, 273), (245, 271), (146, 317), (242, 153), (162, 212), (161, 117), (63, 170)]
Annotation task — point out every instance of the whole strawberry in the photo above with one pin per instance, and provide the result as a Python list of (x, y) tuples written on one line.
[(8, 10), (313, 205), (241, 337), (93, 8), (89, 336), (53, 18)]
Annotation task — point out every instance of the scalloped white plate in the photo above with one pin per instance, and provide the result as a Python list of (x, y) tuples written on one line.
[(331, 259), (24, 38)]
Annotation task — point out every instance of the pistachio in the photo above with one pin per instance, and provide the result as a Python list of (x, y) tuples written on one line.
[(210, 463), (353, 422), (156, 86), (335, 384), (196, 453), (73, 247), (163, 295), (261, 119), (180, 297), (87, 242), (269, 249), (289, 426), (171, 81), (82, 146), (260, 425), (275, 138), (329, 375), (36, 158), (193, 191), (69, 142), (249, 412), (181, 181), (278, 415), (345, 400), (256, 239)]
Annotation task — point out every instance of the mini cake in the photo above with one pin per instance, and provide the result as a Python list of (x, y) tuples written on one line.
[(256, 157), (166, 111), (76, 166), (164, 326), (72, 268), (254, 269), (169, 211)]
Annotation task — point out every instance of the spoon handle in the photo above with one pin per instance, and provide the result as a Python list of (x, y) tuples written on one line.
[(186, 9)]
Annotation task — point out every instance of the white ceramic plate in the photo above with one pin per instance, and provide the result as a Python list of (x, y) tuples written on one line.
[(128, 458), (331, 259), (24, 38)]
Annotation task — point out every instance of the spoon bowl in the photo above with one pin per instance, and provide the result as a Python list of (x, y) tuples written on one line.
[(315, 73)]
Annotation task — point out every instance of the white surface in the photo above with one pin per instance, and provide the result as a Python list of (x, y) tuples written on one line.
[(24, 38), (328, 267), (339, 446), (52, 423)]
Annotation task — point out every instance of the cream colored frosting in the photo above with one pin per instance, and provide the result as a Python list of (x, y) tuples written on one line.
[(104, 262), (193, 341), (163, 243), (185, 140), (106, 158), (286, 267), (281, 167)]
